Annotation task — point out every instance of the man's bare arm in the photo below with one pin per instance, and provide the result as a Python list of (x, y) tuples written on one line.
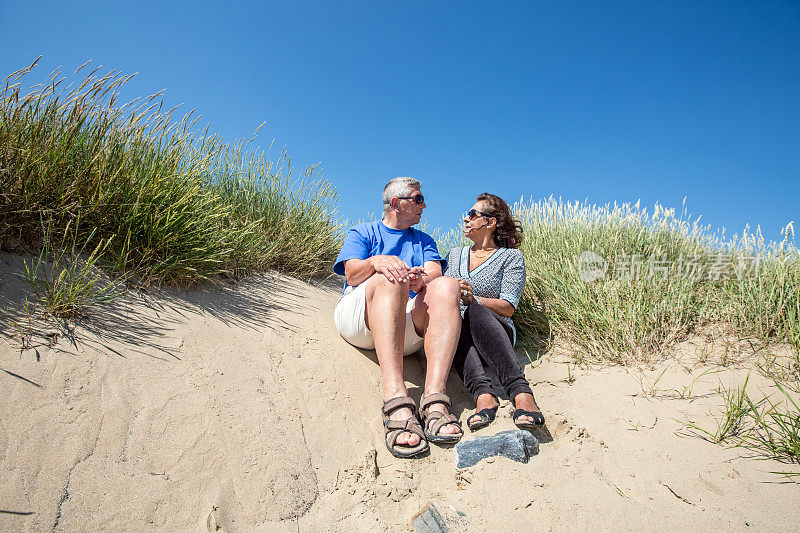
[(433, 269)]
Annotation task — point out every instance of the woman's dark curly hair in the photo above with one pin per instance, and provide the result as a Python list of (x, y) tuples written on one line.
[(509, 231)]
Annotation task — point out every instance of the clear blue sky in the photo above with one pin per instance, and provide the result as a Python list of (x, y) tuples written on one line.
[(610, 101)]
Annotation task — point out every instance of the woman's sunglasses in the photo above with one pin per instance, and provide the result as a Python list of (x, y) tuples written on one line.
[(472, 214), (418, 199)]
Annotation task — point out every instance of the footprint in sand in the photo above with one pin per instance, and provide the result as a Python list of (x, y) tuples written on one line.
[(562, 428)]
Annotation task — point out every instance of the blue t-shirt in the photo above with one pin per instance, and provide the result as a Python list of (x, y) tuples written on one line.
[(411, 245)]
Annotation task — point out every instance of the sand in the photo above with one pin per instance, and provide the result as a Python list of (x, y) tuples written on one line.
[(241, 409)]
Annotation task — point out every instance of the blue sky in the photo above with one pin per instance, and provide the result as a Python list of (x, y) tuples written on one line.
[(605, 101)]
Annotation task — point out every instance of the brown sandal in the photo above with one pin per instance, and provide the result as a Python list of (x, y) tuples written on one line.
[(434, 420), (395, 427)]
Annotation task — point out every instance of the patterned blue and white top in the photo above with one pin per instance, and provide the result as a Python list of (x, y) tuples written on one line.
[(502, 275)]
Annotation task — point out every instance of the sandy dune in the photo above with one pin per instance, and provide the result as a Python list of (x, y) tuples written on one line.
[(242, 409)]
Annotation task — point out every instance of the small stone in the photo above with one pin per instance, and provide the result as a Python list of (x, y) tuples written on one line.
[(517, 445), (458, 512), (371, 463), (428, 520)]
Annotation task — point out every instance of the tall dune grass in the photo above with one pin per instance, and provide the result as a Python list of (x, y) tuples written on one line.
[(173, 203), (665, 276)]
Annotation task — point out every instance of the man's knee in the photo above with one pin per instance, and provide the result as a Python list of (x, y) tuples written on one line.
[(379, 284)]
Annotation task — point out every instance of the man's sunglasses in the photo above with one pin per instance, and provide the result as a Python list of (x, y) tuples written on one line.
[(418, 199), (472, 214)]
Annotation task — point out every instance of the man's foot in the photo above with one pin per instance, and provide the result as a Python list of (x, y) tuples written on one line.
[(484, 401), (404, 435), (440, 425), (451, 428), (405, 438)]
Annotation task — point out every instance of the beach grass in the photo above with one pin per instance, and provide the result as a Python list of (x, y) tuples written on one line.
[(64, 279), (765, 423), (169, 202), (623, 284)]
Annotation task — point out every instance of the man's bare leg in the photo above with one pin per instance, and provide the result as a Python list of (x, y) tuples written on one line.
[(437, 320), (385, 316)]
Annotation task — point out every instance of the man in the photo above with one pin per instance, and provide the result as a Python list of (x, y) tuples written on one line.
[(396, 301)]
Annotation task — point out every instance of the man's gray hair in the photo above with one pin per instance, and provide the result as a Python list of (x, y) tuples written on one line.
[(398, 187)]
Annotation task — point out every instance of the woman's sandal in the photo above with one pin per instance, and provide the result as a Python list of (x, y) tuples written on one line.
[(538, 418), (486, 417), (395, 427), (434, 421)]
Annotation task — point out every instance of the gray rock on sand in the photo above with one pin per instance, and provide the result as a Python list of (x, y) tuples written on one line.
[(428, 520), (518, 445)]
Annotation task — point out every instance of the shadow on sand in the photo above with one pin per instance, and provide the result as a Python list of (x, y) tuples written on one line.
[(141, 320), (148, 316)]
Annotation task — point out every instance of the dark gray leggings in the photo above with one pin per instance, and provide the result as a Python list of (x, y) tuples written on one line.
[(486, 338)]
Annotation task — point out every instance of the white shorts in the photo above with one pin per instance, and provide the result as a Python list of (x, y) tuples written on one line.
[(349, 319)]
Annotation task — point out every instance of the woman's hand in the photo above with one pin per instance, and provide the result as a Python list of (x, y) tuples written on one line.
[(416, 279), (467, 297)]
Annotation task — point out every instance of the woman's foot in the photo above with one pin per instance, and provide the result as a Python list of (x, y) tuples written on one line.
[(526, 402), (527, 413), (484, 401)]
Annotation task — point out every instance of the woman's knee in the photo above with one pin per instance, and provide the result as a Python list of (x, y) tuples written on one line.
[(482, 316), (443, 289), (477, 310)]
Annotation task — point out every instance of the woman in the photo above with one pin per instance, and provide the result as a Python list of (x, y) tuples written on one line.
[(492, 275)]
